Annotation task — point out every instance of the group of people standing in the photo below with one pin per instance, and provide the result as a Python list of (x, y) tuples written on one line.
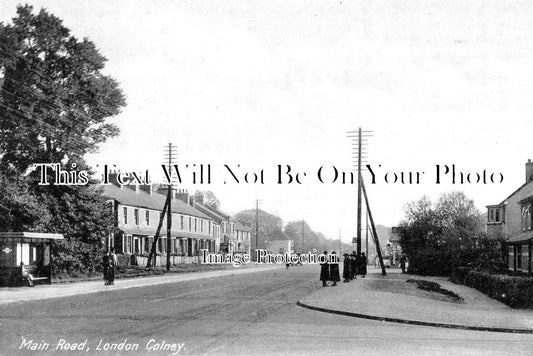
[(109, 261), (353, 265)]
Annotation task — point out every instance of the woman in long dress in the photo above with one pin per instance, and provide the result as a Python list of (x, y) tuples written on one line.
[(334, 274), (324, 271)]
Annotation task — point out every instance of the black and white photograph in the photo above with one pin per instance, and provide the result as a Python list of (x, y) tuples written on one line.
[(246, 177)]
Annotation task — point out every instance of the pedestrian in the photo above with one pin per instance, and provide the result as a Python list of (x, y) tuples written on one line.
[(402, 262), (363, 264), (334, 274), (106, 267), (112, 264), (324, 270), (347, 271), (354, 265)]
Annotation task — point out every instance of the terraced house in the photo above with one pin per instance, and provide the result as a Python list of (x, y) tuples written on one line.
[(234, 237), (138, 211), (511, 221)]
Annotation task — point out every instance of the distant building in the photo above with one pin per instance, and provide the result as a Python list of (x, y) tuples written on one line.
[(511, 221), (280, 246), (243, 236), (233, 237), (394, 248)]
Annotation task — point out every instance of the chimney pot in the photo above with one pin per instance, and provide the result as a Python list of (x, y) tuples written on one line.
[(529, 170)]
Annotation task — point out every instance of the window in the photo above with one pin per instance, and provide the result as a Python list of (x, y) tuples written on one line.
[(195, 224), (495, 215), (125, 216), (190, 223), (136, 216), (525, 258), (147, 217), (526, 217), (209, 226), (201, 225), (518, 252), (181, 222)]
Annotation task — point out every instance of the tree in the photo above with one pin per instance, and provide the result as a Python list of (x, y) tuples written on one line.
[(208, 197), (440, 237), (270, 226), (81, 213), (54, 103), (54, 99), (19, 209), (310, 239)]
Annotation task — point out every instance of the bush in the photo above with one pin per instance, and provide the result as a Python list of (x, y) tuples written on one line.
[(435, 287), (515, 291), (430, 262)]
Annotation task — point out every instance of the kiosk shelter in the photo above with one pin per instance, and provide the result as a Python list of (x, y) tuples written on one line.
[(25, 257)]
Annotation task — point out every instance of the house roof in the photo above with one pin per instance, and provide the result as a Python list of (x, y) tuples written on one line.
[(513, 193), (30, 235), (213, 214), (155, 201)]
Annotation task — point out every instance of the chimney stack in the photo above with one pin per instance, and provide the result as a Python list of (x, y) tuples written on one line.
[(529, 170), (113, 178), (148, 188), (183, 195)]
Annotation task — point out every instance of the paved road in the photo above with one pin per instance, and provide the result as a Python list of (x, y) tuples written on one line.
[(244, 314)]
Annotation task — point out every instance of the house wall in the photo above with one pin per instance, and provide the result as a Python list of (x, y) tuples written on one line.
[(513, 215), (141, 240)]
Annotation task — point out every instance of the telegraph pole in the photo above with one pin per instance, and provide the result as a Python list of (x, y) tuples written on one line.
[(374, 232), (359, 138), (167, 210), (170, 153), (153, 250), (366, 237), (359, 194)]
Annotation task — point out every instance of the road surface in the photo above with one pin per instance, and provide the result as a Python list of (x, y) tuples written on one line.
[(253, 313)]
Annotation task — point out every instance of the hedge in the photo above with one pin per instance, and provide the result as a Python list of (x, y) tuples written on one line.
[(515, 291)]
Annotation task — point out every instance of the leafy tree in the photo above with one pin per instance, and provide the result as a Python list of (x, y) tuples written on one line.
[(270, 226), (82, 214), (208, 197), (440, 237), (19, 209), (295, 229), (54, 103), (54, 99)]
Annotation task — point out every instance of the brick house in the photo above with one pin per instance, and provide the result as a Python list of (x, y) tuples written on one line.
[(138, 211), (511, 221), (234, 237), (243, 235)]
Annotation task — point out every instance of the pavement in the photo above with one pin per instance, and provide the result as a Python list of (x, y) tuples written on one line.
[(383, 298), (40, 292), (390, 298)]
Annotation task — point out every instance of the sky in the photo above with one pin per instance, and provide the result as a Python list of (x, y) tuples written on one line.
[(254, 84)]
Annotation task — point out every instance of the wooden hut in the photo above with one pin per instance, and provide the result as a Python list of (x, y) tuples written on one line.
[(25, 257)]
